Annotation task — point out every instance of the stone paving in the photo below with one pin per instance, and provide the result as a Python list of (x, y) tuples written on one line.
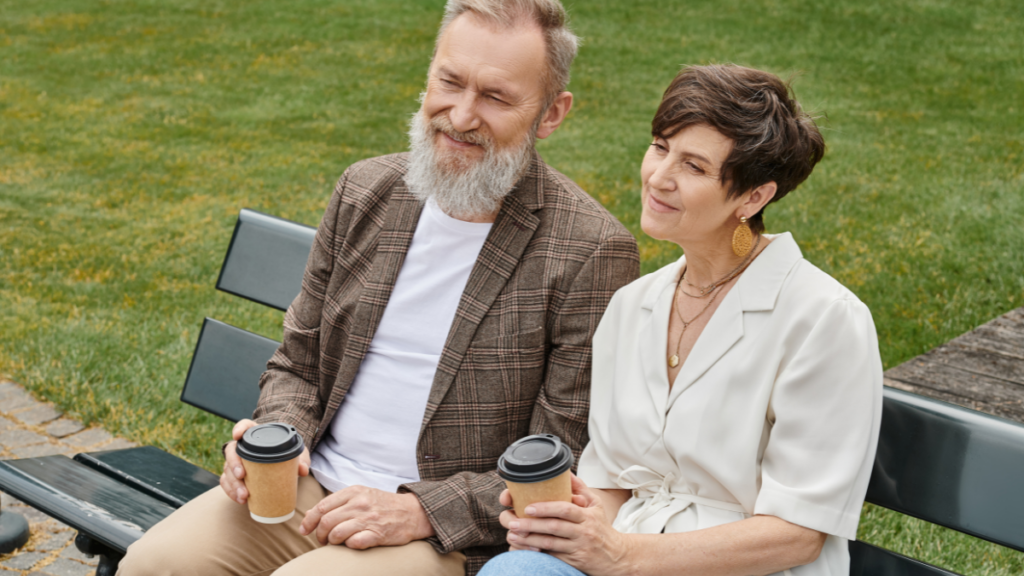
[(29, 428)]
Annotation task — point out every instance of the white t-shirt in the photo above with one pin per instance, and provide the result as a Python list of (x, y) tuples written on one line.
[(372, 438)]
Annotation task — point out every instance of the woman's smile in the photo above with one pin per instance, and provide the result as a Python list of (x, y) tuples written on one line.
[(657, 205)]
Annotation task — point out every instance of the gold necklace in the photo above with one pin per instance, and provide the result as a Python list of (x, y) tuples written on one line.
[(714, 289), (706, 290), (673, 360)]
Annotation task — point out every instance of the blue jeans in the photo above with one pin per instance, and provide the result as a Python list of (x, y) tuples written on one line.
[(527, 563)]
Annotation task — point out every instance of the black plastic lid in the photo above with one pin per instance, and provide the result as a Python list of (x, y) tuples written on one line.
[(270, 443), (535, 459)]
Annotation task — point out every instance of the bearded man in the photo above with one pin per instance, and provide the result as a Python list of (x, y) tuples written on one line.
[(447, 310)]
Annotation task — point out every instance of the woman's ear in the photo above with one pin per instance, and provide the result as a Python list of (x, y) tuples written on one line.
[(758, 198)]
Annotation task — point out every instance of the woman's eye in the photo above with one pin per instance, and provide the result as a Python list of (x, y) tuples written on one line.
[(657, 146)]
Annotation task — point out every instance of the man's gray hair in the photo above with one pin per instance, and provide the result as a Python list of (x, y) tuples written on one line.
[(550, 16)]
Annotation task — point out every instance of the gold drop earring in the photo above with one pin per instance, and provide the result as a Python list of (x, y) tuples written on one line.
[(742, 238)]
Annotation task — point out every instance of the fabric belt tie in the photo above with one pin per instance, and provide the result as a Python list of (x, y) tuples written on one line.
[(658, 495)]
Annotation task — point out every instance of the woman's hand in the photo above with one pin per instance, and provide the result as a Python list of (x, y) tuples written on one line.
[(578, 533)]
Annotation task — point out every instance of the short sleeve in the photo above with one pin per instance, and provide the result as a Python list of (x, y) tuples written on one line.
[(826, 408)]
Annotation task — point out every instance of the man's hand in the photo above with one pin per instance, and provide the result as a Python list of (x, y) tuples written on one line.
[(233, 478), (361, 517)]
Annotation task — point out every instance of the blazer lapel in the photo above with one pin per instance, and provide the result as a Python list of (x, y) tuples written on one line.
[(392, 245), (512, 231)]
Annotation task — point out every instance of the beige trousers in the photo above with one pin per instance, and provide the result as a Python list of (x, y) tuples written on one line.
[(214, 536)]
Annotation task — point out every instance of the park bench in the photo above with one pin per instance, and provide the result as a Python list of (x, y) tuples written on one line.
[(936, 461)]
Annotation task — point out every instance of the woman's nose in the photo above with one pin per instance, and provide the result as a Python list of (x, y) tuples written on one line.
[(661, 178)]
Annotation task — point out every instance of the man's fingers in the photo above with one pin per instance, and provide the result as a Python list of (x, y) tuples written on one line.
[(304, 461), (360, 540), (327, 514), (233, 487), (232, 462), (240, 427)]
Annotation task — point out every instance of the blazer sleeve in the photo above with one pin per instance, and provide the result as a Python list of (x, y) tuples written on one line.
[(289, 389), (825, 410), (464, 508)]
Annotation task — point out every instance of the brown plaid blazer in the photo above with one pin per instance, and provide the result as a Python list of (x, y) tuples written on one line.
[(516, 360)]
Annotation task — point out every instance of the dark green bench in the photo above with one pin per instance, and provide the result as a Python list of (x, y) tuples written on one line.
[(113, 497), (944, 464)]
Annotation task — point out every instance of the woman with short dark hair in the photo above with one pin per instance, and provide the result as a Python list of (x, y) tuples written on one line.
[(736, 393)]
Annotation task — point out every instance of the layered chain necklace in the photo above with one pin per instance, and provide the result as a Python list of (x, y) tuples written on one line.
[(710, 292)]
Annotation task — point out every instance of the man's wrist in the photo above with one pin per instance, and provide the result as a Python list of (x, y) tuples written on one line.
[(420, 522)]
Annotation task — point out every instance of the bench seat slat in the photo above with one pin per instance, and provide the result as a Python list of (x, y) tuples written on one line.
[(951, 466), (224, 376), (152, 471), (266, 259), (109, 511)]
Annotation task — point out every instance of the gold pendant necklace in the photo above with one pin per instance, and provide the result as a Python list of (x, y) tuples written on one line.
[(673, 360)]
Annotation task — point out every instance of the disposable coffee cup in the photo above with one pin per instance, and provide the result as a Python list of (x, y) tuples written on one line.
[(536, 469), (270, 455)]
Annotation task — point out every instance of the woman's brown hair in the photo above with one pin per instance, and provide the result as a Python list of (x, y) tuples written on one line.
[(774, 140)]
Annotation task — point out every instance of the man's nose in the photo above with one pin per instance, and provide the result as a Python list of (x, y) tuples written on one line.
[(463, 115)]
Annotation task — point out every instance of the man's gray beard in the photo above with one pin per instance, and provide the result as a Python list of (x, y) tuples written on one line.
[(463, 191)]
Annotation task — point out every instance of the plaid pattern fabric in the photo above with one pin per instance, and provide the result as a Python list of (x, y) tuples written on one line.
[(517, 357)]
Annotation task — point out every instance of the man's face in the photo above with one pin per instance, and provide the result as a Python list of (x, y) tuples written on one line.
[(484, 89)]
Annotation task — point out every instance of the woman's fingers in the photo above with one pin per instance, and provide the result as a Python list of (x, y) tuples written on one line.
[(544, 526), (507, 517), (541, 542), (564, 510), (505, 498)]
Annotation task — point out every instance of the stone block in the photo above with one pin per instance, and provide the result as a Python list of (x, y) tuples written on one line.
[(75, 554), (39, 414), (90, 437), (23, 561), (14, 438), (120, 444), (7, 387), (37, 450), (55, 541), (64, 427), (6, 424), (65, 567), (39, 573), (16, 399)]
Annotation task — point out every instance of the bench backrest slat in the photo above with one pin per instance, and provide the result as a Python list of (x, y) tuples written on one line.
[(225, 372), (266, 259), (951, 466), (868, 560)]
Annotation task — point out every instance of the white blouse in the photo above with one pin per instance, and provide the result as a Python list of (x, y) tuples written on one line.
[(775, 411)]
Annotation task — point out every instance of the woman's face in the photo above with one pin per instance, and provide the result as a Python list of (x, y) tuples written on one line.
[(684, 200)]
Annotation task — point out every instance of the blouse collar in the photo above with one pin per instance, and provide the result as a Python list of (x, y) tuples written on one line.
[(758, 287)]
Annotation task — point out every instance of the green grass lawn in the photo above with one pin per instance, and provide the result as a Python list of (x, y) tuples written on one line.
[(132, 132)]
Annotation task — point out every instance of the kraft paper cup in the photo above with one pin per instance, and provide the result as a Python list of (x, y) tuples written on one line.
[(270, 456), (536, 469)]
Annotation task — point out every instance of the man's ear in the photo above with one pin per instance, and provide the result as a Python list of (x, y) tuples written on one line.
[(758, 198), (554, 115)]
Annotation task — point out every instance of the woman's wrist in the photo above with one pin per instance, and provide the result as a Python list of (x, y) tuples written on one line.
[(630, 558)]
